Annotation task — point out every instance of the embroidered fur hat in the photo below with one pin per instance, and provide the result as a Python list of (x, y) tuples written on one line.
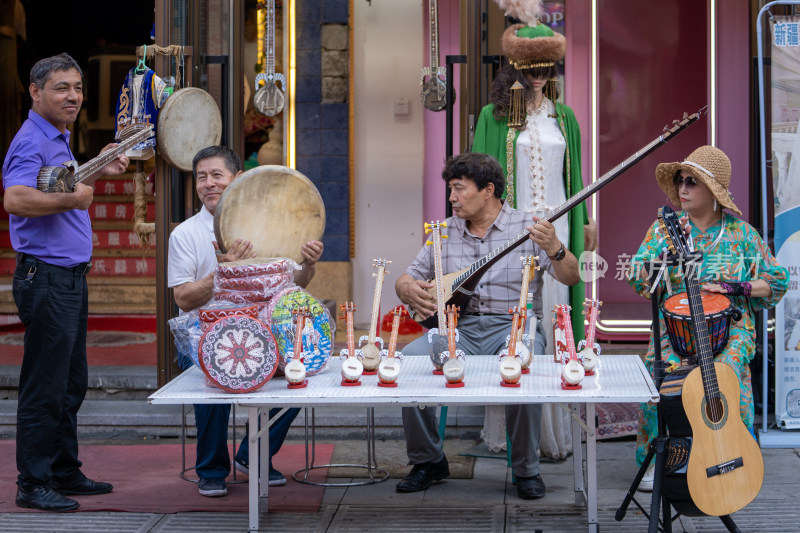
[(530, 44), (709, 165)]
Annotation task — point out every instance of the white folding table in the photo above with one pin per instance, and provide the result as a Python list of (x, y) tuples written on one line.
[(619, 379)]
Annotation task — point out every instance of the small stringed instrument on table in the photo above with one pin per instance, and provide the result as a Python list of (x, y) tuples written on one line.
[(295, 369), (460, 286), (510, 357), (725, 468), (530, 265), (434, 90), (588, 349), (389, 367), (437, 337), (572, 372), (268, 99), (453, 368), (372, 353), (64, 178), (352, 368)]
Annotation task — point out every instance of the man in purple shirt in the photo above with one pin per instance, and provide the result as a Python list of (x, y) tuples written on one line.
[(52, 235)]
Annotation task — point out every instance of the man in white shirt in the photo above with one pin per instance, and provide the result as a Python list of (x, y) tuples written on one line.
[(193, 257)]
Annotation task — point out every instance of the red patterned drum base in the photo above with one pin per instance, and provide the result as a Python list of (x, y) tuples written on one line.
[(238, 354)]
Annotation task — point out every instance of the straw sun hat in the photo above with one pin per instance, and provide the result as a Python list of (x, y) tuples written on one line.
[(710, 166)]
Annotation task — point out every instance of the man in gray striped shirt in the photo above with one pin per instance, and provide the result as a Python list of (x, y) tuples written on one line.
[(482, 222)]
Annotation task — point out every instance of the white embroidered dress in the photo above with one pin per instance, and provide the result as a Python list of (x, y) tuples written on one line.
[(539, 176)]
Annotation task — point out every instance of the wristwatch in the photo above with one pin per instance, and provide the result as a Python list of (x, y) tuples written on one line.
[(559, 255)]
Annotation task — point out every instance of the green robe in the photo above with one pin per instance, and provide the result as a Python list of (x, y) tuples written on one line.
[(490, 138)]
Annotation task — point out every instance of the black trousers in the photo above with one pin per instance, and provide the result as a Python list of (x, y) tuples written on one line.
[(53, 306)]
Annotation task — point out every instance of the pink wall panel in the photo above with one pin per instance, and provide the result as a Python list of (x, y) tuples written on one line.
[(652, 68)]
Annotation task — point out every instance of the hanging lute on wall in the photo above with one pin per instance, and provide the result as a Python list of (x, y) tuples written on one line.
[(64, 178), (459, 286), (372, 353), (725, 469), (268, 98), (434, 90)]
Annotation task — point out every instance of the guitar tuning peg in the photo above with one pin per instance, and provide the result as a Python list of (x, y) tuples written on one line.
[(428, 243), (443, 236)]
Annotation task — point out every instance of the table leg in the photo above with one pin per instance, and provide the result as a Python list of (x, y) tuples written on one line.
[(591, 468), (252, 483), (577, 456), (263, 466)]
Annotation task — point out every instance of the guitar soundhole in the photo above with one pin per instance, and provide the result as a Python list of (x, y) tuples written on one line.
[(715, 411)]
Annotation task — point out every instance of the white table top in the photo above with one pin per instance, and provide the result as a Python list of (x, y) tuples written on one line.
[(619, 378)]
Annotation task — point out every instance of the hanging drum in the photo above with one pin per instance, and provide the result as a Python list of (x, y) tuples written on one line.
[(276, 208), (188, 122), (237, 353)]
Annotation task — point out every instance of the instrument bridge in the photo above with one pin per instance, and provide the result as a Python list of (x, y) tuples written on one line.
[(724, 468)]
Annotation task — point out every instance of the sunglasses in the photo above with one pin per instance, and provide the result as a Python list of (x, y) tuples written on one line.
[(689, 181)]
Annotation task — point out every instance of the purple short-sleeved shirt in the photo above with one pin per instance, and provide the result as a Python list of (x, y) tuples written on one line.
[(64, 239)]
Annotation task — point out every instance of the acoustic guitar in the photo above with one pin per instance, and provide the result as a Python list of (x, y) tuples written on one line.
[(725, 469), (460, 285)]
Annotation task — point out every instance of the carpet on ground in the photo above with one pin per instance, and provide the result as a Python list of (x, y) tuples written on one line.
[(391, 456), (145, 479), (616, 419), (103, 348)]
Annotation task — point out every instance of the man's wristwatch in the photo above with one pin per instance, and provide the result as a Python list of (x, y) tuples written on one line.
[(559, 255)]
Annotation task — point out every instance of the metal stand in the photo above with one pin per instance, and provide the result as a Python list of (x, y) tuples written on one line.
[(659, 503), (185, 469), (375, 474)]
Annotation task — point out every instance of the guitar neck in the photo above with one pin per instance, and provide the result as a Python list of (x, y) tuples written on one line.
[(702, 343), (475, 271), (593, 311), (298, 336), (351, 343), (566, 323), (269, 38), (433, 9)]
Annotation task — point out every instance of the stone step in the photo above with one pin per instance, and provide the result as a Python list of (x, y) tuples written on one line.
[(136, 419), (116, 407)]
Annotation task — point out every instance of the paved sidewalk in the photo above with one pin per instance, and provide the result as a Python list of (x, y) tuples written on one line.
[(486, 503)]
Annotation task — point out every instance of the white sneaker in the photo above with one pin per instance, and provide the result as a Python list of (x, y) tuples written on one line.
[(646, 485)]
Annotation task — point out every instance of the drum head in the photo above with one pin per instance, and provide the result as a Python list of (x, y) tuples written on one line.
[(276, 208), (713, 303), (238, 354), (188, 122), (317, 334)]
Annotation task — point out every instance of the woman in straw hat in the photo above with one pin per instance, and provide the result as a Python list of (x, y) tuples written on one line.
[(536, 139), (736, 262)]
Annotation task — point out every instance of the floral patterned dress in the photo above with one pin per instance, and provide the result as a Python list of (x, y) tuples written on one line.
[(732, 251)]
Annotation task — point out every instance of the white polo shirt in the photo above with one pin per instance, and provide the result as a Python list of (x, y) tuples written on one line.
[(191, 252)]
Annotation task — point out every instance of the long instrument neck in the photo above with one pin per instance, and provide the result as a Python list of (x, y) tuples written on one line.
[(393, 337), (269, 38), (351, 343), (376, 303), (433, 8), (703, 345), (438, 275), (496, 254), (93, 166)]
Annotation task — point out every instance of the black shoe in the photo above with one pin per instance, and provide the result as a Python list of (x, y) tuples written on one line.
[(530, 488), (83, 486), (45, 498), (423, 475)]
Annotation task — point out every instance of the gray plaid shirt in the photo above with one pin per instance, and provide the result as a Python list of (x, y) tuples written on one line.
[(499, 288)]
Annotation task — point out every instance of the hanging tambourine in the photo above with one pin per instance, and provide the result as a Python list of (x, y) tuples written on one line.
[(188, 122)]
